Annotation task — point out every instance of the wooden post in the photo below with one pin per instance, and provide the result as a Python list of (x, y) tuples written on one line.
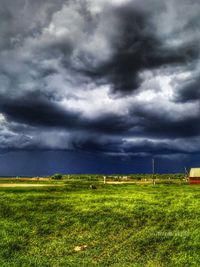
[(153, 172)]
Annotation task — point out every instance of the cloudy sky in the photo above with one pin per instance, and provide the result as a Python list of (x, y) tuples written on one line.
[(110, 80)]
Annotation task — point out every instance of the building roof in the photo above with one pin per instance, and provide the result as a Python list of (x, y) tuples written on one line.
[(194, 172)]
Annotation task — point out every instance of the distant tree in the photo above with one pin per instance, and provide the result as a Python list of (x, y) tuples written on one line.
[(57, 176)]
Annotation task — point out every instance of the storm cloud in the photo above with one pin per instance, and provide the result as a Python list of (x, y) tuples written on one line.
[(116, 77)]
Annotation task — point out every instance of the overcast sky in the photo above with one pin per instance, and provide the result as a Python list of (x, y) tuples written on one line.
[(116, 78)]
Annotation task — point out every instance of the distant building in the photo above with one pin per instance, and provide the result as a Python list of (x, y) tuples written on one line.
[(194, 176)]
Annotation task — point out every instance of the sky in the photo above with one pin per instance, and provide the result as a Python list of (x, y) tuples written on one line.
[(96, 86)]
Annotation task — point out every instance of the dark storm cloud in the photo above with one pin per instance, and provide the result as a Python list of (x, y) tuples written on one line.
[(137, 47), (188, 90), (38, 109), (68, 49), (111, 124), (163, 125), (102, 144), (117, 146), (22, 18), (133, 39), (35, 109)]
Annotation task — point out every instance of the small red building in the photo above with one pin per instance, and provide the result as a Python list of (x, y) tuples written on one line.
[(194, 176)]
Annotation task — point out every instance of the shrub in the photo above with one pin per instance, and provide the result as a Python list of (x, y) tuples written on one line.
[(57, 176)]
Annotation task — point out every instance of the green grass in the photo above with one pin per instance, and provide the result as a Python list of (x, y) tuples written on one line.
[(122, 225)]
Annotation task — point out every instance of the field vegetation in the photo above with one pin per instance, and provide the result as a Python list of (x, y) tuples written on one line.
[(122, 225)]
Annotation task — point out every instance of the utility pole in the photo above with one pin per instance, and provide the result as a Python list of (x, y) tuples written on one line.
[(186, 174), (153, 171)]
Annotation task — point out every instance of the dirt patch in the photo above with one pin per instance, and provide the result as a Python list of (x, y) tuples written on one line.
[(127, 182), (25, 179), (79, 248), (25, 185)]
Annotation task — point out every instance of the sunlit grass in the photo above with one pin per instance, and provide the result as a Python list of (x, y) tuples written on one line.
[(119, 225)]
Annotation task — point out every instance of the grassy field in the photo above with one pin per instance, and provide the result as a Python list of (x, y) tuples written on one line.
[(113, 225)]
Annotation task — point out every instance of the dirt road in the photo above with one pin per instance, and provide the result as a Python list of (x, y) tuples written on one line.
[(25, 185)]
